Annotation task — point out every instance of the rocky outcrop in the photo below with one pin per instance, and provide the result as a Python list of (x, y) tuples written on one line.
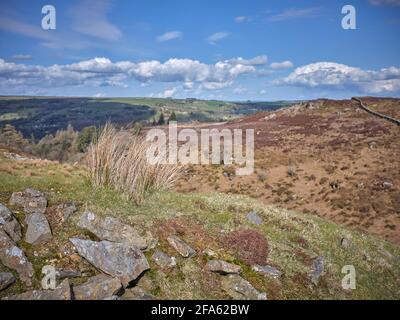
[(62, 292), (179, 245), (14, 258), (98, 287), (9, 223), (38, 228), (223, 267), (240, 289), (120, 260), (111, 229), (6, 280), (30, 199)]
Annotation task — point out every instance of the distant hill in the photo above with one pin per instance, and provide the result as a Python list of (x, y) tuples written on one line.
[(39, 116)]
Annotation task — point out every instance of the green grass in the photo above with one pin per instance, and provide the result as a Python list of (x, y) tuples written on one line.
[(376, 261)]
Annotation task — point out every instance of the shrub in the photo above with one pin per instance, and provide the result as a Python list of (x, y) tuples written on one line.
[(248, 245), (118, 159), (10, 137), (61, 147), (85, 138)]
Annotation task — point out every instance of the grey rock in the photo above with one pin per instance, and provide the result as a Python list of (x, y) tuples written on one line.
[(179, 245), (136, 293), (240, 289), (318, 269), (163, 260), (67, 209), (32, 200), (223, 267), (62, 292), (119, 260), (387, 185), (111, 229), (254, 218), (9, 223), (98, 288), (14, 258), (67, 274), (38, 228), (345, 243), (6, 280), (267, 271)]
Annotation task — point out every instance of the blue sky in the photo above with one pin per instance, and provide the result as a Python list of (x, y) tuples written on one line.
[(229, 50)]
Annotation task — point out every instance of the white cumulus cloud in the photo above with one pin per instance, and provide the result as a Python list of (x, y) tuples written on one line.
[(335, 75)]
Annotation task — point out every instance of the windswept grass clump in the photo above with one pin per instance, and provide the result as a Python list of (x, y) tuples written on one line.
[(118, 159)]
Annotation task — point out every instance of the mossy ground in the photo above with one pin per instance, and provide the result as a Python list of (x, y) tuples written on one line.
[(294, 239)]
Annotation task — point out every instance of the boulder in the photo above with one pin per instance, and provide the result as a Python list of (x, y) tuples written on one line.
[(62, 292), (223, 267), (14, 258), (163, 260), (111, 229), (98, 288), (9, 223), (6, 280), (30, 199), (119, 260), (254, 218), (267, 271), (179, 245), (240, 289), (38, 228)]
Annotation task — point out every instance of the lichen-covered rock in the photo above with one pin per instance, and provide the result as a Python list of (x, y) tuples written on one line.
[(32, 200), (62, 292), (163, 260), (38, 228), (179, 245), (223, 267), (14, 258), (120, 260), (9, 223), (111, 229), (6, 280), (240, 289), (267, 271), (98, 288)]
